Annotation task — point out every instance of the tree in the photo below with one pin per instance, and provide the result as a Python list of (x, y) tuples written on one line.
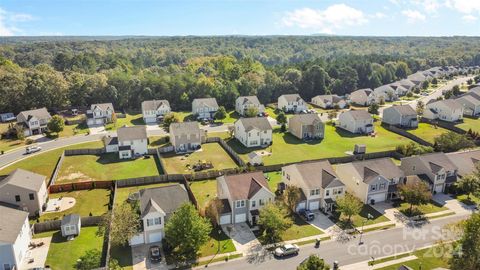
[(456, 90), (349, 206), (90, 260), (412, 148), (415, 193), (467, 252), (469, 184), (420, 107), (373, 108), (56, 124), (292, 197), (313, 263), (123, 226), (186, 231), (221, 113), (169, 119), (282, 118), (435, 81), (331, 115), (273, 221), (452, 142), (251, 111), (20, 132), (425, 85)]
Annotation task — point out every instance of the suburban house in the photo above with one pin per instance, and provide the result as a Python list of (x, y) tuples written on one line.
[(360, 121), (153, 111), (446, 110), (329, 101), (15, 238), (372, 181), (306, 126), (363, 97), (465, 161), (417, 78), (34, 122), (470, 103), (26, 190), (186, 136), (385, 93), (204, 108), (100, 114), (156, 207), (253, 132), (7, 117), (405, 84), (242, 104), (242, 196), (318, 182), (71, 225), (291, 103), (436, 169), (400, 115), (129, 142)]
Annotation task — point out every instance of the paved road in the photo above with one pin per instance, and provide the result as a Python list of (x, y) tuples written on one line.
[(376, 244)]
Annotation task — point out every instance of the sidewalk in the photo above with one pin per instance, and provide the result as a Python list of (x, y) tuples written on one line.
[(364, 265)]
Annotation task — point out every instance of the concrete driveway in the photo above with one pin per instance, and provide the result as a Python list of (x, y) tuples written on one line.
[(141, 261), (392, 213), (242, 237), (322, 222), (452, 204), (97, 129)]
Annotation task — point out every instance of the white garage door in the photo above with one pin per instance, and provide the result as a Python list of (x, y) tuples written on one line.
[(225, 219), (240, 218), (377, 197), (136, 239), (155, 237), (99, 121), (314, 205), (439, 188), (300, 206)]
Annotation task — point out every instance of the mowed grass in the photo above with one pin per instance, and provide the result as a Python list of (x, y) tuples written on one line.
[(469, 123), (204, 191), (427, 132), (362, 218), (210, 152), (217, 244), (123, 254), (468, 201), (87, 202), (300, 229), (129, 120), (274, 178), (337, 142), (105, 167), (44, 162), (122, 193), (424, 209), (63, 254), (430, 258)]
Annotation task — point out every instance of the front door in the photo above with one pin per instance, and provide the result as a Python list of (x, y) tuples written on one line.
[(254, 220)]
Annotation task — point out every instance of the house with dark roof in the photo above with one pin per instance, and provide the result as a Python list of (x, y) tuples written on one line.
[(291, 103), (204, 108), (436, 169), (319, 184), (156, 206), (253, 132), (186, 136), (15, 237), (244, 103), (446, 110), (129, 142), (153, 111), (34, 121), (306, 126), (466, 161), (242, 196), (363, 97), (373, 180), (100, 114), (356, 121), (329, 101), (471, 103), (403, 116), (25, 190)]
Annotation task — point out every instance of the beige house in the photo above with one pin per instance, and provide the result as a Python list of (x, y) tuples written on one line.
[(359, 122), (291, 103), (385, 93), (34, 121), (26, 190), (446, 110), (153, 111), (306, 126), (465, 161), (253, 132), (318, 182), (400, 115), (15, 239), (470, 103), (186, 136), (362, 97), (329, 101), (204, 108), (242, 104)]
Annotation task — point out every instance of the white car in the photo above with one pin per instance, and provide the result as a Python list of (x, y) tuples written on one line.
[(32, 149), (286, 250)]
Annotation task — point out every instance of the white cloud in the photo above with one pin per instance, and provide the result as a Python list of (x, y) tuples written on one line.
[(469, 18), (8, 22), (430, 6), (332, 18), (20, 17), (464, 6), (413, 15), (379, 15)]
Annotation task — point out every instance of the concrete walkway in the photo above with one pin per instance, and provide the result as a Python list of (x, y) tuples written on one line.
[(391, 213)]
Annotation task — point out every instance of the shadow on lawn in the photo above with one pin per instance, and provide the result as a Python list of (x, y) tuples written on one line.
[(290, 139)]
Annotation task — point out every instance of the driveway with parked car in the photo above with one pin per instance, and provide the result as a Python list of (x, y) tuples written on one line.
[(146, 257)]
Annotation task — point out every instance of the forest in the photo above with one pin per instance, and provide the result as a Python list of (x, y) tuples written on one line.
[(62, 72)]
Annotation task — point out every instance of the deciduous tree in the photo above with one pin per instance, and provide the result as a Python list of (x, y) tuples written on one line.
[(56, 124), (415, 193), (273, 221), (349, 206)]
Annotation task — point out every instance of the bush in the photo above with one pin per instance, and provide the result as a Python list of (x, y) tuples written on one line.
[(29, 141)]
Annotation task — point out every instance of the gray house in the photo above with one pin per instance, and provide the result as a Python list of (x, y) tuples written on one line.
[(15, 237), (400, 115), (34, 121), (71, 225), (466, 161), (470, 103), (306, 126)]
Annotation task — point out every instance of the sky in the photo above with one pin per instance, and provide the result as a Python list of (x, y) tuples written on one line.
[(239, 17)]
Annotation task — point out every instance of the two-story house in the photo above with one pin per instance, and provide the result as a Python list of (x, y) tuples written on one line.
[(403, 116), (100, 114), (466, 161), (291, 103), (34, 121), (242, 196), (385, 93), (372, 181), (329, 101), (15, 237), (156, 207), (306, 126), (359, 122), (153, 111), (470, 103), (446, 110), (362, 97), (204, 108), (319, 184), (26, 190), (186, 136), (253, 132), (242, 104), (129, 142), (436, 169)]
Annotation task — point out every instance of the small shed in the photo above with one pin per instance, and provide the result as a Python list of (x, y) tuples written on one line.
[(7, 117), (71, 225), (360, 149), (255, 159)]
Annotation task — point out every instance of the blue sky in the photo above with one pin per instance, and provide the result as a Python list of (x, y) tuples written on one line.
[(240, 17)]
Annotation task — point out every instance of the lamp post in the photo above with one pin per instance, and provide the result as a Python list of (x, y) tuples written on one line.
[(363, 224)]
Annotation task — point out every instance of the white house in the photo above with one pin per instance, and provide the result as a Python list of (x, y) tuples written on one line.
[(71, 225), (100, 114), (329, 101), (253, 132), (291, 103), (242, 104), (15, 237), (362, 97), (470, 103), (358, 121), (129, 142), (204, 108), (385, 93), (154, 110), (34, 121), (446, 110)]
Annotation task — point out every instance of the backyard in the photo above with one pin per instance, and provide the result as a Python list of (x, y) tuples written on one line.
[(427, 132), (105, 167), (204, 191), (274, 178), (469, 123)]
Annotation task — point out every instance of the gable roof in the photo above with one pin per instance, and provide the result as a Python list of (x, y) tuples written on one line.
[(132, 133), (366, 91), (260, 123), (317, 174), (470, 97), (153, 105), (249, 99), (465, 161), (24, 179), (184, 128), (102, 106), (207, 102), (449, 103), (329, 98), (358, 114), (71, 219), (246, 185), (164, 199), (384, 88), (306, 119), (41, 114), (370, 169), (403, 110), (291, 97), (436, 161), (11, 223)]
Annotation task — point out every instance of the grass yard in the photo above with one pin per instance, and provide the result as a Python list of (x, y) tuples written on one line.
[(358, 220), (469, 123), (300, 229), (427, 132), (105, 167), (204, 191), (210, 152), (287, 148), (274, 178), (64, 254), (157, 141), (44, 162), (217, 244), (428, 208), (129, 120), (464, 199), (122, 193), (426, 260), (83, 203), (72, 130)]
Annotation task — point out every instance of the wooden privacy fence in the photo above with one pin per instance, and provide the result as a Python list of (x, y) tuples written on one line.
[(228, 149), (86, 151), (54, 176), (54, 225)]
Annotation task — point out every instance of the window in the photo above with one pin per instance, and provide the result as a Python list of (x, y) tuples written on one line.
[(240, 204), (153, 221), (253, 203), (327, 193), (31, 196), (17, 198), (373, 187), (7, 266), (314, 192), (261, 202), (382, 186)]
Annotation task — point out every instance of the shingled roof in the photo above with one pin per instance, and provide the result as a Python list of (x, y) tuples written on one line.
[(102, 106), (11, 223), (404, 110), (41, 114), (465, 161), (164, 199), (259, 123), (358, 114), (184, 128), (315, 174), (208, 102), (292, 97), (249, 99), (153, 105), (24, 179), (306, 119), (246, 185), (369, 169), (132, 133)]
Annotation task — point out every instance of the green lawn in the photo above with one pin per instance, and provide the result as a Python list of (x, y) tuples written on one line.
[(204, 191), (122, 193), (210, 152), (469, 123), (358, 220), (274, 178), (83, 203), (105, 167), (427, 132), (428, 208), (72, 130), (217, 244), (129, 120), (157, 141), (287, 148), (425, 260), (464, 199), (300, 229), (64, 254), (44, 163)]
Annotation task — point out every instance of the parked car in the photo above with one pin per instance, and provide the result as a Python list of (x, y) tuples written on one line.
[(154, 254), (32, 149), (307, 214), (286, 250)]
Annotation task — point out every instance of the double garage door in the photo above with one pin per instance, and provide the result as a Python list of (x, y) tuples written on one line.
[(314, 205)]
